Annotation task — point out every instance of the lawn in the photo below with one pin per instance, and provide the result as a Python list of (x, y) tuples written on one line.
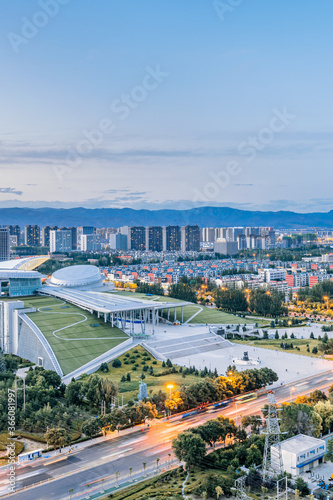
[(207, 315), (167, 485), (130, 390), (78, 344), (275, 345)]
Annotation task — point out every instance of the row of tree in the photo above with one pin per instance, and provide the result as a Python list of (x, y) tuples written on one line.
[(260, 302)]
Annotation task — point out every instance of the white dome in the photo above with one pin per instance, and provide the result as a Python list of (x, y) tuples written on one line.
[(77, 276)]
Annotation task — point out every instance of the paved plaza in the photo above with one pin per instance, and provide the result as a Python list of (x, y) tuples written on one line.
[(190, 345)]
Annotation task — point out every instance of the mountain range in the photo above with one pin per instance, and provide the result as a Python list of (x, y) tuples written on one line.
[(203, 216)]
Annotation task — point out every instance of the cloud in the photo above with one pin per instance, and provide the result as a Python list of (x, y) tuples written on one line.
[(11, 191)]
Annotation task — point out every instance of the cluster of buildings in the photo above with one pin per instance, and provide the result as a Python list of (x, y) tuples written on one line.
[(281, 276), (157, 238), (172, 238), (230, 240)]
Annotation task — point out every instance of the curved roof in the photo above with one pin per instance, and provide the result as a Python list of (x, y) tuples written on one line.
[(77, 276), (25, 264)]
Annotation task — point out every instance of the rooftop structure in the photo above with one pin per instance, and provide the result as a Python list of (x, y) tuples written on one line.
[(301, 453), (83, 277)]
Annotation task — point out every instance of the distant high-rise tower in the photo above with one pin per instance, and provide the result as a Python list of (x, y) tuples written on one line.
[(190, 237), (46, 235), (32, 236), (4, 244), (15, 231), (154, 238), (171, 238)]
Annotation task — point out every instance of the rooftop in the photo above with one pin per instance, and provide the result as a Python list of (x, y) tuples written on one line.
[(300, 443)]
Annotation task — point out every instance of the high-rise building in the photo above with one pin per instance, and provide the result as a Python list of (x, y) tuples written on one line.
[(4, 244), (208, 234), (83, 230), (89, 243), (60, 241), (171, 238), (190, 238), (32, 236), (46, 235), (118, 241), (154, 238), (15, 231), (225, 247), (137, 238)]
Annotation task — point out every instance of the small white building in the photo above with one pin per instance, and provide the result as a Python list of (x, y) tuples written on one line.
[(301, 453)]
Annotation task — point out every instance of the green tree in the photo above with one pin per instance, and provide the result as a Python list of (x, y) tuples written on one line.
[(57, 437), (329, 451), (300, 419), (91, 427), (190, 448)]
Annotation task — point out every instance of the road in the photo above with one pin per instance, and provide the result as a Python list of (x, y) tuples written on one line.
[(91, 464)]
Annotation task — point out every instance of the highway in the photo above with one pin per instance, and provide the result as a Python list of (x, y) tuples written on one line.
[(90, 464)]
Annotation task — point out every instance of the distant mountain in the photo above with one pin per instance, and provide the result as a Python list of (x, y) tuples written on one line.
[(203, 216)]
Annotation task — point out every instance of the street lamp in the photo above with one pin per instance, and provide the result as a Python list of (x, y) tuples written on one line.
[(326, 298), (292, 389), (170, 387)]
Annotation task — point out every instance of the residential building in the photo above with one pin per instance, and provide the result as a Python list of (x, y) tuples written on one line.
[(171, 238), (4, 243), (190, 238), (46, 235), (154, 239), (32, 236), (118, 241), (89, 243), (60, 241), (225, 247), (81, 231), (15, 231)]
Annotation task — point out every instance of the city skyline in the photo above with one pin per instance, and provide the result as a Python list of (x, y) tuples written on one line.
[(262, 102)]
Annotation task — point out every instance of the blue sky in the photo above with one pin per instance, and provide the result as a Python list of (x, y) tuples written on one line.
[(202, 103)]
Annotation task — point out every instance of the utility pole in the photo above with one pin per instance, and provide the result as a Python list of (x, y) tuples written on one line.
[(272, 462)]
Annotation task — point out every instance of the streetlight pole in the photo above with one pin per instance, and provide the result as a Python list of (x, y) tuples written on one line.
[(292, 389)]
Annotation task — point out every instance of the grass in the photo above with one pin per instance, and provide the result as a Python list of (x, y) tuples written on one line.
[(166, 485), (206, 316), (5, 440), (275, 345), (130, 390), (89, 342)]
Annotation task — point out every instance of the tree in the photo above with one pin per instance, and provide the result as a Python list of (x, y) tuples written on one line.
[(116, 363), (219, 492), (57, 437), (252, 420), (325, 411), (91, 427), (277, 336), (300, 419), (302, 486), (329, 451), (104, 368), (174, 402), (190, 448)]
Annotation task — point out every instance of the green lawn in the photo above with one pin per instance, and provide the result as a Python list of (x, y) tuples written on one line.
[(207, 315), (275, 345), (78, 344), (130, 389)]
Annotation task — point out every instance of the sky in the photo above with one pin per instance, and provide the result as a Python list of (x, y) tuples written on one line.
[(166, 104)]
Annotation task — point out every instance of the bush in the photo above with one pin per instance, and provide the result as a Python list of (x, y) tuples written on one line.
[(126, 362), (104, 368), (134, 368), (116, 363), (154, 362)]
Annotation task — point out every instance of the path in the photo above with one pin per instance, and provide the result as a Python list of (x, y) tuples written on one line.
[(40, 309)]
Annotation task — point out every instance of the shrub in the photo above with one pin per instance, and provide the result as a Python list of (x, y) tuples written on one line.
[(116, 363)]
